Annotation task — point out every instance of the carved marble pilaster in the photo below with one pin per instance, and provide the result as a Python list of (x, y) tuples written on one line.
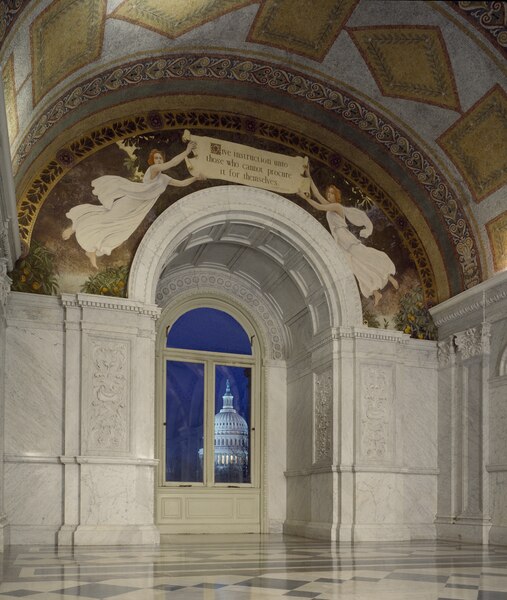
[(323, 417), (377, 428)]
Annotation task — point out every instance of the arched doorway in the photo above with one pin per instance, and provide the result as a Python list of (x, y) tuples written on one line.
[(263, 256), (209, 420)]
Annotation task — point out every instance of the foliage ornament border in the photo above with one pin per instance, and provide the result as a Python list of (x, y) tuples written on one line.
[(294, 84)]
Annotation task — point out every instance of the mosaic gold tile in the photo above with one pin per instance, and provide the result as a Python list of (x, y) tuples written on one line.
[(10, 98), (175, 18), (476, 144), (295, 25), (409, 62), (65, 37), (497, 232)]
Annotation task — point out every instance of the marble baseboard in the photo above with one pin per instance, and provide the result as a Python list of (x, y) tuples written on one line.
[(474, 533), (498, 535), (393, 532), (309, 529), (275, 526), (116, 535), (33, 534)]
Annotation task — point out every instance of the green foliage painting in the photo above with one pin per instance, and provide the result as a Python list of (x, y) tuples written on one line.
[(36, 272), (413, 316), (111, 281)]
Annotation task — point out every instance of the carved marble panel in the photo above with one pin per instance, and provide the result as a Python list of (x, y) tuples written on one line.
[(107, 399), (322, 417), (376, 427)]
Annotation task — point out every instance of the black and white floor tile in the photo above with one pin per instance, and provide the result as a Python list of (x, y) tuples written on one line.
[(250, 567)]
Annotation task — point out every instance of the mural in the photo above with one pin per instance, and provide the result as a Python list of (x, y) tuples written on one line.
[(87, 230)]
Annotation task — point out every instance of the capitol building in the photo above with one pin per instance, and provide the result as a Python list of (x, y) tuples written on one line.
[(231, 443)]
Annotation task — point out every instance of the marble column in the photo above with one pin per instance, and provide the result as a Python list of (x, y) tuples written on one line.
[(5, 286)]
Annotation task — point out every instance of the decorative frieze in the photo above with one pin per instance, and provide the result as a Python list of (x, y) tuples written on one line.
[(107, 414), (377, 432), (323, 416)]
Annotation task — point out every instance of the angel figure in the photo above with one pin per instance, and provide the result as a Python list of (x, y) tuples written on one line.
[(372, 268), (100, 228)]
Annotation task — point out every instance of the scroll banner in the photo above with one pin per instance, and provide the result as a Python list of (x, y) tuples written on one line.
[(219, 159)]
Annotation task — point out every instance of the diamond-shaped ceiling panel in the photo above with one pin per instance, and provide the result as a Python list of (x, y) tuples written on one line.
[(409, 62), (476, 144), (174, 18), (65, 37), (297, 26)]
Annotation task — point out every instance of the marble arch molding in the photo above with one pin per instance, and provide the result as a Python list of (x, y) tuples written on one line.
[(261, 240)]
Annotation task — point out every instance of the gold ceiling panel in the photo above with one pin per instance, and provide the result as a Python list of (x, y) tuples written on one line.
[(298, 26), (476, 144), (10, 98), (409, 62), (497, 232), (65, 37), (174, 18)]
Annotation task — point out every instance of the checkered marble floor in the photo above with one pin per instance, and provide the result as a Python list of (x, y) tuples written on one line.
[(251, 567)]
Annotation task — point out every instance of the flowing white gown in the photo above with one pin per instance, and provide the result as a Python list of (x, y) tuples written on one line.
[(370, 266), (101, 228)]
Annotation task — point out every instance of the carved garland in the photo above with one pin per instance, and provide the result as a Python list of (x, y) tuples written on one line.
[(294, 84)]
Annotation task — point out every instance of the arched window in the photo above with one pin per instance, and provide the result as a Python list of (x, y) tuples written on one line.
[(208, 415)]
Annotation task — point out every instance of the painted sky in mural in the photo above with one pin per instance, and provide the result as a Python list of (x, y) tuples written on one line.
[(92, 221)]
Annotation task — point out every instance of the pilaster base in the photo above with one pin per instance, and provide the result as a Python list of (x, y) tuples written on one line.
[(66, 535), (116, 535), (393, 532), (308, 529), (473, 531), (498, 535), (4, 533)]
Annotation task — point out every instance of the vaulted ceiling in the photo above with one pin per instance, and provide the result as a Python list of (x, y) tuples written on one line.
[(406, 100)]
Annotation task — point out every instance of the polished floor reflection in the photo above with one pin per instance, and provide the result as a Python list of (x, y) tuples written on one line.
[(252, 566)]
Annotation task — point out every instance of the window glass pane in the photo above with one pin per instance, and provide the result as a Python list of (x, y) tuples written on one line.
[(184, 421), (232, 424), (209, 330)]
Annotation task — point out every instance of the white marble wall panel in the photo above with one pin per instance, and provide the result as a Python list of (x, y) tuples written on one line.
[(323, 498), (275, 448), (299, 422), (417, 403), (419, 499), (33, 494), (299, 499), (116, 494), (34, 384), (498, 422), (379, 498)]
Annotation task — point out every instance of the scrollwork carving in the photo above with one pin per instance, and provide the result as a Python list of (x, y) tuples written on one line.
[(446, 352), (108, 409), (376, 402), (323, 411)]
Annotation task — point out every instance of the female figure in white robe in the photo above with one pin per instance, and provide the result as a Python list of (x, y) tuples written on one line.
[(100, 228), (372, 268)]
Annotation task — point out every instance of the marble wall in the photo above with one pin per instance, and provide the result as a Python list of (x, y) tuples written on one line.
[(362, 437), (473, 414), (79, 420)]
